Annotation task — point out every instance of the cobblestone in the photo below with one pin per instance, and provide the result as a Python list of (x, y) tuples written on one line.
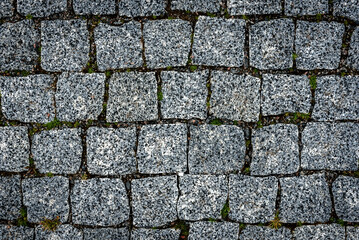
[(352, 233), (18, 233), (254, 7), (305, 7), (40, 8), (106, 233), (353, 58), (347, 8), (65, 232), (196, 5), (10, 197), (136, 8), (320, 232), (155, 234), (6, 8), (267, 233), (213, 230), (94, 7)]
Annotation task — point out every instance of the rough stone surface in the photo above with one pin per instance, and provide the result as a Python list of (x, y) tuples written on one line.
[(136, 8), (254, 7), (94, 7), (132, 97), (167, 42), (196, 5), (184, 95), (10, 197), (353, 58), (352, 233), (65, 232), (320, 232), (318, 45), (162, 149), (64, 45), (347, 8), (235, 97), (106, 233), (330, 146), (154, 201), (40, 8), (57, 151), (265, 233), (213, 230), (216, 149), (155, 234), (219, 42), (271, 44), (252, 199), (305, 199), (305, 7), (118, 46), (6, 8), (8, 232), (46, 198), (99, 202)]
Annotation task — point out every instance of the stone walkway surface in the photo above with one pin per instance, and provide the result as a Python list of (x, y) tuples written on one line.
[(179, 119)]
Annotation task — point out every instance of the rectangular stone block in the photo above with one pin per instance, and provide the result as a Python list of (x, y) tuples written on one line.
[(64, 231), (321, 231), (254, 7), (347, 8), (353, 58), (196, 5), (143, 233), (213, 230), (266, 233), (13, 232), (94, 7), (137, 8), (10, 197), (305, 7), (6, 8), (106, 233), (41, 8)]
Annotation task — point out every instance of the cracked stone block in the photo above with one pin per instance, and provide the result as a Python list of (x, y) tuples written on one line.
[(202, 197), (162, 149), (10, 197), (9, 232), (41, 8), (318, 45), (137, 8), (213, 230), (320, 232), (132, 97), (111, 151), (154, 201), (216, 149), (14, 149), (57, 151), (275, 150), (167, 42), (305, 7), (99, 202), (336, 98), (65, 45), (235, 97), (219, 42), (305, 199), (197, 5), (252, 199), (94, 7), (106, 233), (118, 46), (46, 198), (28, 99), (64, 231), (330, 146), (282, 93), (347, 8), (79, 96), (254, 7), (184, 95), (352, 233), (155, 234), (6, 8), (353, 58), (265, 233), (271, 44), (18, 43)]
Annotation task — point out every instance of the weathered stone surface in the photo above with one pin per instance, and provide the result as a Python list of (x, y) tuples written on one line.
[(320, 232), (8, 232), (99, 202), (352, 233), (136, 8), (265, 233), (305, 7), (6, 8), (94, 7), (213, 230), (106, 233), (254, 7), (10, 197), (353, 58), (64, 232), (347, 8), (155, 234), (196, 5), (40, 8)]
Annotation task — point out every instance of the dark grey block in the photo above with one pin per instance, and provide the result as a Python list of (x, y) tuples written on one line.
[(106, 234), (196, 5), (155, 234), (320, 232), (9, 232), (213, 231), (63, 232), (352, 233), (254, 7), (6, 8), (94, 7), (10, 197), (353, 58), (136, 8), (265, 233), (305, 7), (41, 8), (347, 8)]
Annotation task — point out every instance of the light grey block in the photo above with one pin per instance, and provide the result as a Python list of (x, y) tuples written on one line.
[(353, 58), (196, 5), (63, 232), (9, 232), (320, 232), (106, 233), (155, 234), (41, 8), (137, 8), (352, 233), (254, 7), (213, 230), (6, 8), (265, 233), (347, 8), (305, 7), (10, 197), (94, 7)]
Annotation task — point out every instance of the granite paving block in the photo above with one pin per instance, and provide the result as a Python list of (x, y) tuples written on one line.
[(28, 99), (305, 7), (154, 201), (18, 44), (202, 197), (8, 232), (347, 8), (305, 199), (136, 8), (57, 151), (10, 197), (336, 98), (118, 46), (155, 234), (213, 230), (330, 146), (46, 198), (252, 199), (219, 42), (235, 97), (40, 8), (167, 42), (162, 149), (132, 97), (275, 150), (99, 202), (216, 149), (14, 149), (79, 96), (271, 44), (106, 233), (352, 233), (94, 7), (6, 8), (320, 232), (254, 7), (282, 93), (64, 45), (197, 5), (184, 95), (318, 45), (111, 151), (63, 232), (265, 233), (353, 58)]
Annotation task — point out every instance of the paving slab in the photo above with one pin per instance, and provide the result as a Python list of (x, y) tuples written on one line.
[(41, 8), (10, 197), (196, 5), (6, 8), (155, 234), (352, 233), (265, 233), (106, 233), (353, 58), (94, 7), (213, 230), (254, 7), (305, 7), (320, 232), (347, 8), (136, 8), (9, 232), (64, 232)]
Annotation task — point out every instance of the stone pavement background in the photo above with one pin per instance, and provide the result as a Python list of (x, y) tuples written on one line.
[(179, 119)]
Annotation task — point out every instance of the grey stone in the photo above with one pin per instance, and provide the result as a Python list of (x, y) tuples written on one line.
[(111, 151), (18, 43), (6, 8), (252, 199), (57, 151), (254, 7), (94, 7), (318, 45), (106, 234), (282, 93), (132, 97), (336, 98), (235, 97), (46, 198), (155, 234), (162, 149), (213, 231), (320, 232), (28, 99), (271, 44), (10, 197), (352, 233), (219, 42), (14, 149), (65, 45), (347, 8), (99, 202), (196, 5), (184, 95), (63, 232), (118, 46), (275, 150), (265, 233), (305, 7), (216, 149), (167, 42), (136, 8), (154, 201), (330, 146), (8, 232), (353, 58), (305, 199), (41, 8)]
